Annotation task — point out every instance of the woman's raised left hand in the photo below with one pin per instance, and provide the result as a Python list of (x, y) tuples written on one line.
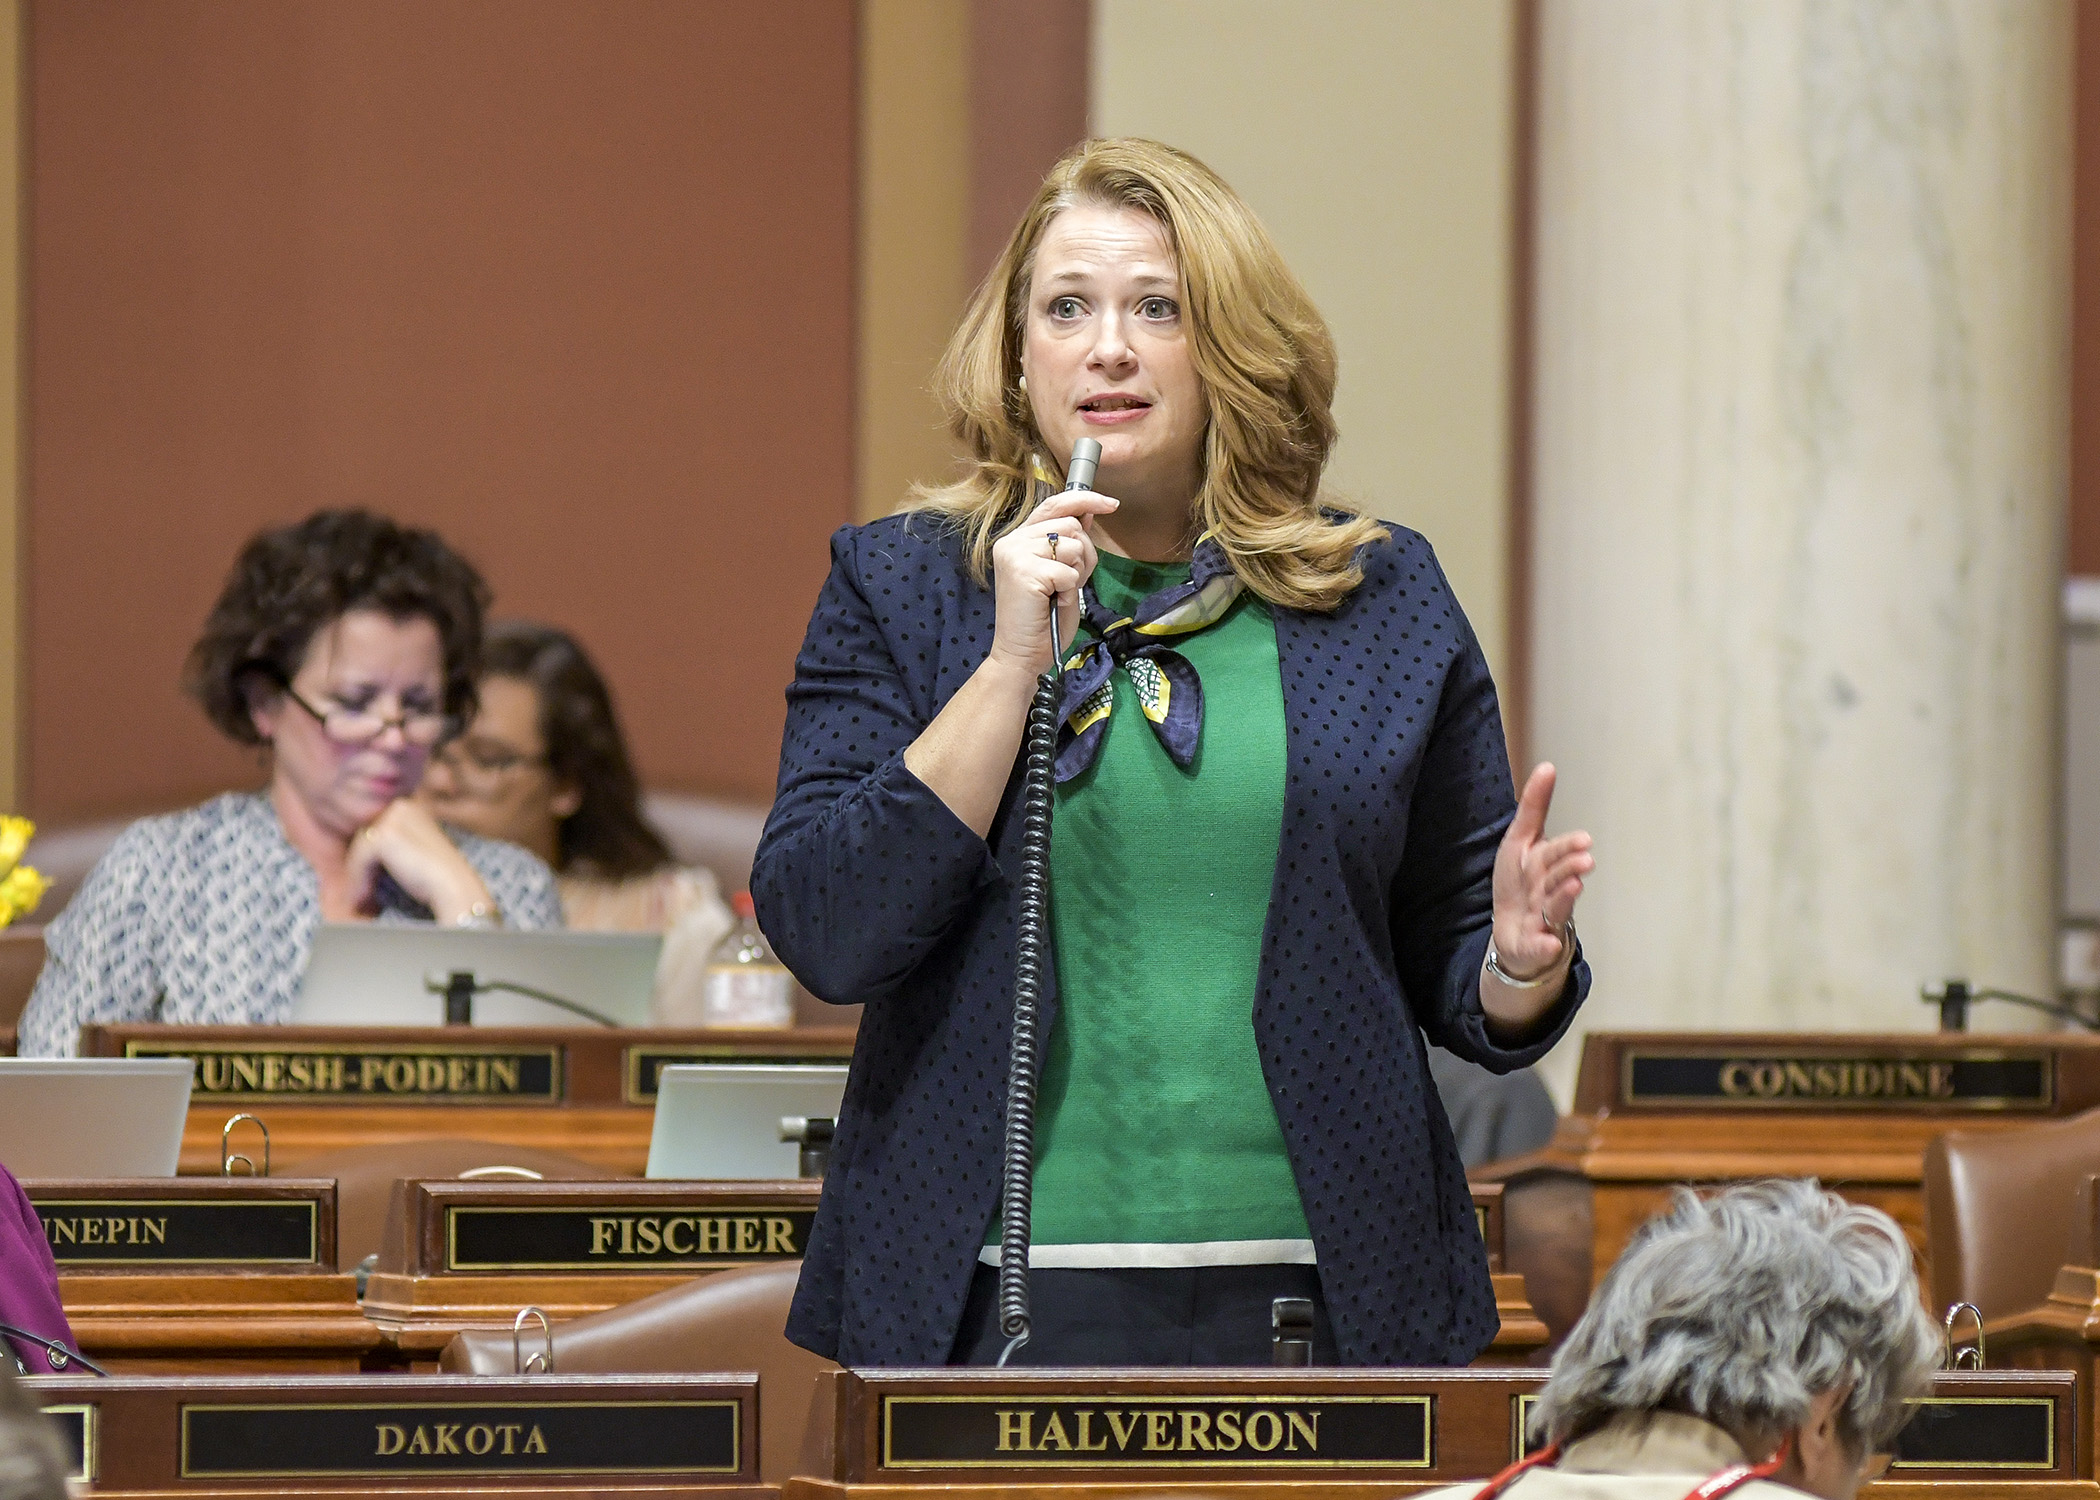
[(1537, 882), (406, 842)]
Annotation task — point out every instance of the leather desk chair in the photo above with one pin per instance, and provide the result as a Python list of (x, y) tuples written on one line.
[(711, 831), (1998, 1210), (365, 1177), (731, 1320), (1548, 1237), (64, 856)]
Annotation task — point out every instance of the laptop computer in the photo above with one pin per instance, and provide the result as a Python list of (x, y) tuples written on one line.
[(722, 1120), (93, 1116), (377, 973)]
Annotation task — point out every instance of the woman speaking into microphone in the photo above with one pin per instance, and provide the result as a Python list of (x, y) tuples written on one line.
[(1284, 853)]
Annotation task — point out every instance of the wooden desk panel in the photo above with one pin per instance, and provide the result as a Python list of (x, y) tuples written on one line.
[(570, 1436), (1656, 1109)]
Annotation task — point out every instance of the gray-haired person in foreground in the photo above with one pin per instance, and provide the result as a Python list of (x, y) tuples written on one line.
[(32, 1454), (1767, 1335)]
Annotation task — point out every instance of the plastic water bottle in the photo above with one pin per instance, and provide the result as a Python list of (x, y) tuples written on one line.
[(746, 984)]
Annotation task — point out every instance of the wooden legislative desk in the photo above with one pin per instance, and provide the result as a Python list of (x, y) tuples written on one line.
[(462, 1255), (1655, 1109), (206, 1275), (399, 1435), (1322, 1434), (586, 1092)]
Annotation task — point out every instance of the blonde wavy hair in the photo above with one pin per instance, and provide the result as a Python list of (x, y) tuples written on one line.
[(1264, 356)]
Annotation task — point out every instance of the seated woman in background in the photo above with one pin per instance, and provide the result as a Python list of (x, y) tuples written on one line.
[(544, 765), (345, 647)]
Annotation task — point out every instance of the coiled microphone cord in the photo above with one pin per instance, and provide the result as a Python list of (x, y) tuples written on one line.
[(1017, 1161)]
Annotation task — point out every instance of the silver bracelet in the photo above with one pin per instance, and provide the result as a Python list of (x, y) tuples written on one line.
[(483, 914), (1510, 981)]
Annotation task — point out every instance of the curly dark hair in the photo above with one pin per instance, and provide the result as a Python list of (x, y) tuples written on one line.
[(290, 583), (606, 836)]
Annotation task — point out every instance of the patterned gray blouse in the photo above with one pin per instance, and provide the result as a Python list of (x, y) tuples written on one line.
[(206, 917)]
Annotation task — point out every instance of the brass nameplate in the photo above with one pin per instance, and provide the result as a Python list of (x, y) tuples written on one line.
[(325, 1440), (1195, 1431), (1521, 1407), (1978, 1432), (76, 1426), (621, 1237), (1828, 1078), (180, 1231), (642, 1067), (367, 1072)]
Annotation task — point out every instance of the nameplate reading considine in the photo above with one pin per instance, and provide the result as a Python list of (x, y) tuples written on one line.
[(1978, 1432), (451, 1073), (296, 1440), (1206, 1431), (1827, 1078), (621, 1237), (177, 1232)]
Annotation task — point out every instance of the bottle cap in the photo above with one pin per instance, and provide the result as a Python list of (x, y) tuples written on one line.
[(740, 903)]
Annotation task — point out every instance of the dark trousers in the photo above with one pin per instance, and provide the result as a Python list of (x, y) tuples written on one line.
[(1196, 1315)]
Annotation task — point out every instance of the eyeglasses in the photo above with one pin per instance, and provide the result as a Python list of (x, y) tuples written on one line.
[(481, 765), (360, 726)]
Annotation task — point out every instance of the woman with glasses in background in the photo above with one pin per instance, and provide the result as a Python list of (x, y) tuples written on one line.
[(346, 647), (543, 764)]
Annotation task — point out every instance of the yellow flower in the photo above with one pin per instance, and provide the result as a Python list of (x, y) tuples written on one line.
[(15, 834), (20, 892)]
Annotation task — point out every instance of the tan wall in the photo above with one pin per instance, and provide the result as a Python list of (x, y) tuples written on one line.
[(1373, 138), (570, 279)]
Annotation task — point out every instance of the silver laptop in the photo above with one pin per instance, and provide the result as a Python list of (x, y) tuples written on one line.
[(93, 1116), (723, 1120), (380, 974)]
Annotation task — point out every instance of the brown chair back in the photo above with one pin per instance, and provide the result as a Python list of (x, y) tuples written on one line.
[(1548, 1234), (1999, 1210), (21, 960), (365, 1177), (729, 1321), (715, 832), (65, 854)]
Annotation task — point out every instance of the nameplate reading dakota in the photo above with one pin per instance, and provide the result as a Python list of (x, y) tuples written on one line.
[(1827, 1078), (457, 1073), (186, 1231), (297, 1440), (620, 1237), (1196, 1431)]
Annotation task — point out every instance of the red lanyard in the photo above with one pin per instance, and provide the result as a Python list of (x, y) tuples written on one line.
[(1730, 1479)]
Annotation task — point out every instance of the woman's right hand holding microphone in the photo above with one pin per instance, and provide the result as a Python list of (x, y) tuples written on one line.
[(1029, 570)]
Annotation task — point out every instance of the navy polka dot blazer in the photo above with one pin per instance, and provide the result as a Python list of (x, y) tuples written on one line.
[(873, 891)]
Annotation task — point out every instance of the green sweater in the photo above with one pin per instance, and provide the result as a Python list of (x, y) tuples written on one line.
[(1157, 1142)]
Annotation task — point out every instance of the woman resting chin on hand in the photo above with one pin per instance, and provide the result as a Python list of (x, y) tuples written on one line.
[(344, 646)]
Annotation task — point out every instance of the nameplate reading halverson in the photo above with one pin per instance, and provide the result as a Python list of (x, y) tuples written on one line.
[(1194, 1431), (367, 1073), (1828, 1077)]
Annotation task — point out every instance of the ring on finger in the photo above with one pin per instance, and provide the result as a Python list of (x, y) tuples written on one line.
[(1054, 539)]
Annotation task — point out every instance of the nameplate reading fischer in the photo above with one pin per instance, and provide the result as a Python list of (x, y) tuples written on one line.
[(1836, 1078), (619, 1237), (451, 1073), (183, 1231), (296, 1440), (1206, 1431)]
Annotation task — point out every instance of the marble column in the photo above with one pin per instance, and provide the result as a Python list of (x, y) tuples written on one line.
[(1800, 464)]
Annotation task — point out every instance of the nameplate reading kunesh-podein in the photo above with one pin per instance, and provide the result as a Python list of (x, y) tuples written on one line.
[(617, 1236), (366, 1072), (1837, 1075)]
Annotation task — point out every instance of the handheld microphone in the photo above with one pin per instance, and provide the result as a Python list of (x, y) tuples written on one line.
[(1023, 1069)]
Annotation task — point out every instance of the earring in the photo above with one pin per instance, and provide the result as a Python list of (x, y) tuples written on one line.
[(1023, 385)]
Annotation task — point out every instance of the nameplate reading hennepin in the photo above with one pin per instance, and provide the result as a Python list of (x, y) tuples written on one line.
[(295, 1440), (181, 1231), (621, 1238), (1195, 1431), (436, 1072), (1826, 1077)]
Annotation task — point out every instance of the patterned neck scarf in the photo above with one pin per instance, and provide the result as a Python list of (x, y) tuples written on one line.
[(1168, 690)]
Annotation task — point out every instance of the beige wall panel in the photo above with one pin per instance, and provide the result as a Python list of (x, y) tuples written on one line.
[(914, 236), (1373, 138)]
